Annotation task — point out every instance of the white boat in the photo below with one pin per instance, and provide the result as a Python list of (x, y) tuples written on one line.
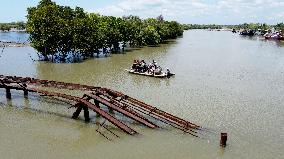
[(161, 75)]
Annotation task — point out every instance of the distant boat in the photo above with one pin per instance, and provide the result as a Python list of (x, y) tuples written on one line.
[(151, 70), (161, 75), (247, 33), (274, 36)]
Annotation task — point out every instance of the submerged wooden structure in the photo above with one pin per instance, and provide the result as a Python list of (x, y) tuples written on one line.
[(94, 97)]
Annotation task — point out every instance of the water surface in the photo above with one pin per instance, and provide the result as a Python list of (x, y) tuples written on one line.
[(15, 36), (223, 82)]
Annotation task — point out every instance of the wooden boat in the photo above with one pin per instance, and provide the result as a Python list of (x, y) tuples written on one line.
[(162, 75), (274, 37), (247, 32)]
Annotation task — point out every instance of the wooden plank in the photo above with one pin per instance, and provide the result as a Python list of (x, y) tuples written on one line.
[(62, 85), (122, 111), (155, 111), (110, 118), (104, 114)]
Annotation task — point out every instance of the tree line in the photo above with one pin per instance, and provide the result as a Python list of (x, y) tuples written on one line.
[(201, 26), (61, 31), (251, 26), (256, 26), (16, 25)]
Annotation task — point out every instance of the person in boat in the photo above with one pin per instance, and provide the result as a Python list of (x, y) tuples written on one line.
[(138, 66), (154, 63), (143, 66), (158, 70), (134, 65), (168, 73), (151, 69)]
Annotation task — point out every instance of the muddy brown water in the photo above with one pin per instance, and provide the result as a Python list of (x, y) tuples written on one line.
[(223, 82)]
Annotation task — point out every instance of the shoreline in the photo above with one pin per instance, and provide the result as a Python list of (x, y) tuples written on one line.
[(13, 44), (14, 30)]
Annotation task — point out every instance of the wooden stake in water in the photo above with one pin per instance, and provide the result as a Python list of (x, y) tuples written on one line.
[(223, 140), (8, 93)]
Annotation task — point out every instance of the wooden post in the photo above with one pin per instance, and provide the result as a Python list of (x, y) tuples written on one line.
[(26, 93), (86, 114), (110, 110), (223, 139), (97, 104), (8, 93), (77, 112)]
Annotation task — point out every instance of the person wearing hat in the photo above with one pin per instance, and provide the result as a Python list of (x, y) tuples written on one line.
[(155, 64)]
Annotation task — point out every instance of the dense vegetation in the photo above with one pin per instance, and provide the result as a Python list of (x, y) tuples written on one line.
[(280, 26), (255, 26), (9, 26), (252, 26), (201, 26), (61, 31)]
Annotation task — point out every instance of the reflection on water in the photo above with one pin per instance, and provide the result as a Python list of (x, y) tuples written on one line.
[(261, 38), (223, 81)]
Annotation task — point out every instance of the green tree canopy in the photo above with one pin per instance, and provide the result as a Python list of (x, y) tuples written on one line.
[(61, 30)]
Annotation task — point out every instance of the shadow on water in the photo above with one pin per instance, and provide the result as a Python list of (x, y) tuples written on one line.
[(77, 58), (128, 50), (276, 42), (29, 108), (253, 38), (280, 43), (172, 41), (169, 42)]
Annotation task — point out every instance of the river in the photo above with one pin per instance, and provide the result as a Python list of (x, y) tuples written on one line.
[(224, 82)]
